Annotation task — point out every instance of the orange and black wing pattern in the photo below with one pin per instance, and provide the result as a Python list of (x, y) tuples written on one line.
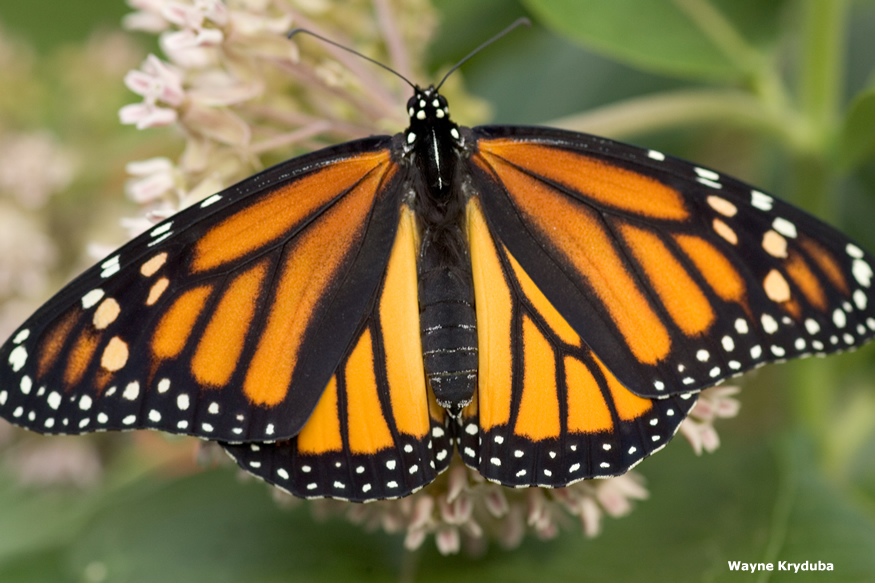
[(547, 411), (377, 431), (227, 321), (675, 276)]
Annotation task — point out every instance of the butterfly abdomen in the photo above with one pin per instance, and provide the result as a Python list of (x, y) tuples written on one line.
[(448, 324)]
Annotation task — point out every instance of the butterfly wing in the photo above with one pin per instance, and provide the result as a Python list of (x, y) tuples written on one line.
[(675, 276), (227, 320), (377, 432), (547, 411)]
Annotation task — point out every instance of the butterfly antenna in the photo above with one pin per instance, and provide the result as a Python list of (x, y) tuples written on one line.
[(295, 31), (522, 21)]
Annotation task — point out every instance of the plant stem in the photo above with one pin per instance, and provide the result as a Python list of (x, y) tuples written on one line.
[(820, 86), (822, 75)]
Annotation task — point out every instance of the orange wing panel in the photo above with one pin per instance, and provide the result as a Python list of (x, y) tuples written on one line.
[(581, 237), (399, 319), (679, 293), (587, 410), (492, 301), (538, 417), (222, 342), (321, 434), (273, 216), (826, 262), (175, 326), (368, 430), (311, 264), (608, 184)]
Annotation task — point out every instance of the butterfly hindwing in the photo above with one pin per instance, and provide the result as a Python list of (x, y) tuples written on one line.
[(678, 277), (547, 411), (225, 321), (377, 432)]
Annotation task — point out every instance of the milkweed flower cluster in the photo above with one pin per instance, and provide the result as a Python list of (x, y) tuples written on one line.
[(242, 95)]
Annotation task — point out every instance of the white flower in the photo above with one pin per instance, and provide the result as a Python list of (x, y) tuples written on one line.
[(157, 82), (153, 179), (147, 17), (713, 403)]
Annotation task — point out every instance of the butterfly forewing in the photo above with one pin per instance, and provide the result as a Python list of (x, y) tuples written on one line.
[(676, 277), (377, 431), (205, 325)]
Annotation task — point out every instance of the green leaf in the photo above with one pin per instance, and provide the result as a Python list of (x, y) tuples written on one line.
[(856, 142), (687, 38), (34, 521)]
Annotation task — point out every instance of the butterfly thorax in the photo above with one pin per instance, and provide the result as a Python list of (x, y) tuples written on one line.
[(433, 139), (446, 298)]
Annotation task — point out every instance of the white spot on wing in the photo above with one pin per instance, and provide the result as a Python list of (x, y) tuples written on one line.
[(784, 227), (54, 400), (761, 201), (862, 272), (160, 230), (854, 251), (132, 391), (211, 200), (860, 299), (17, 358), (656, 155), (705, 173)]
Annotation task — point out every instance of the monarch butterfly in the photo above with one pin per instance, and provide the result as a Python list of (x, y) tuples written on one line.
[(548, 303)]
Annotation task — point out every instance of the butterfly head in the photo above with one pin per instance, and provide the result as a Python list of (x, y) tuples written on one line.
[(427, 105), (429, 115)]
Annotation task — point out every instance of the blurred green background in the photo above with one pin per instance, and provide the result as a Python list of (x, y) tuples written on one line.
[(779, 93)]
